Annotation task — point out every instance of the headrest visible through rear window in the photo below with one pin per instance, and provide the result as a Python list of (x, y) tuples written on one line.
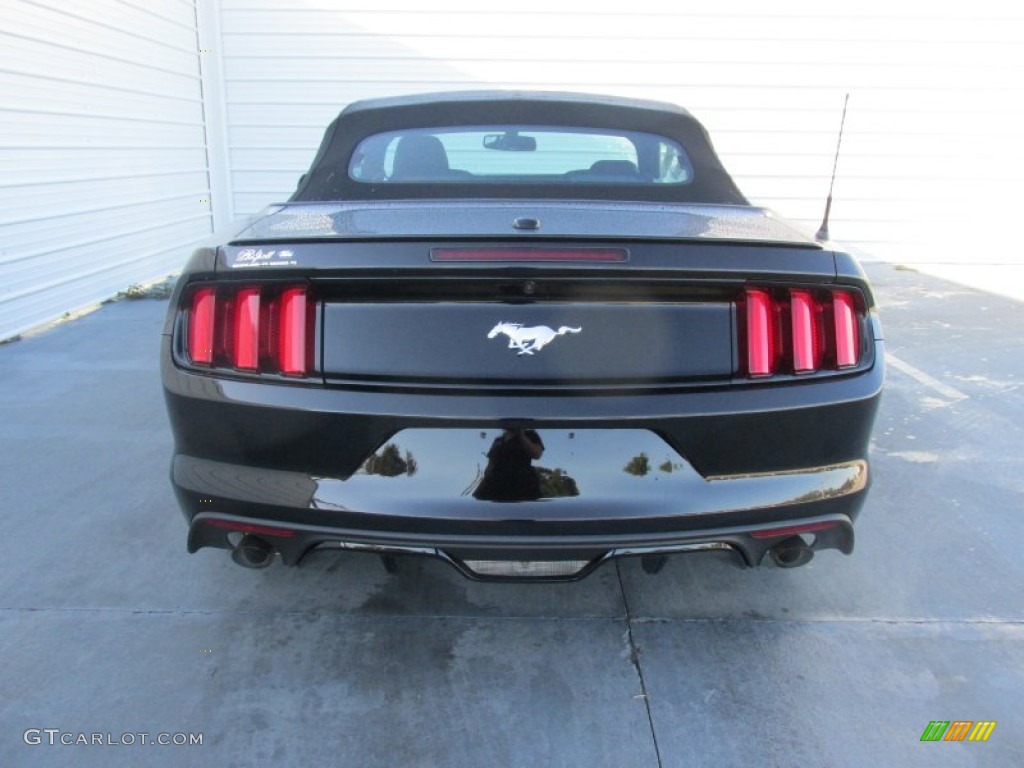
[(419, 157)]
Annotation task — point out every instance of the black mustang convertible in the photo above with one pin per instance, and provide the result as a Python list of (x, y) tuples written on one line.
[(524, 333)]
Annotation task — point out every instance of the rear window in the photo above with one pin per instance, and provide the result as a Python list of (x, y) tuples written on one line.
[(503, 154)]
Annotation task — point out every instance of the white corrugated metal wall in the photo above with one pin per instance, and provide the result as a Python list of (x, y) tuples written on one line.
[(931, 154), (103, 162), (121, 117)]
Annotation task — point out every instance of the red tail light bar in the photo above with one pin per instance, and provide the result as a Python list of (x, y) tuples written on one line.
[(798, 331), (245, 329), (257, 329), (201, 330)]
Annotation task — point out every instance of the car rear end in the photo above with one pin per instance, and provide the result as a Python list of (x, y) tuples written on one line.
[(704, 385)]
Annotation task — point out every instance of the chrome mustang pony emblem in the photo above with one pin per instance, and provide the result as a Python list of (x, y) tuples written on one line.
[(530, 339)]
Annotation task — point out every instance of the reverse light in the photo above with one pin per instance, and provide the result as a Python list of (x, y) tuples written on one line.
[(255, 329)]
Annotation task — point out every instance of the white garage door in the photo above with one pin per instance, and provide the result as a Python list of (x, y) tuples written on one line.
[(103, 172), (930, 158), (118, 116)]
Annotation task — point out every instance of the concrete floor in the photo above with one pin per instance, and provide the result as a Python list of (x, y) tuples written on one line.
[(108, 626)]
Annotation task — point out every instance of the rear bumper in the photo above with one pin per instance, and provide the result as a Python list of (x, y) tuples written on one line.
[(472, 556), (745, 515), (727, 466)]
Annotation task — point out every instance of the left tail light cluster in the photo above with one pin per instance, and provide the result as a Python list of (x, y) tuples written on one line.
[(798, 331), (251, 328)]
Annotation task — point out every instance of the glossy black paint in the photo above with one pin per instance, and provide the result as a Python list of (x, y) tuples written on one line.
[(624, 426), (465, 342), (332, 430), (237, 440), (565, 220)]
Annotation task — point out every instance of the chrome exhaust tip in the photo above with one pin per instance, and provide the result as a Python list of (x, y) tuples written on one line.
[(791, 552), (252, 552)]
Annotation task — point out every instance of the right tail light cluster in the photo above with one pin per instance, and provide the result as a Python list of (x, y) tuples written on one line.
[(798, 330)]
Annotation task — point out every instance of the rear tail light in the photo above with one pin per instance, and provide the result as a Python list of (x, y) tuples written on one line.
[(201, 328), (847, 335), (762, 333), (291, 352), (261, 329), (805, 314), (798, 331), (246, 330)]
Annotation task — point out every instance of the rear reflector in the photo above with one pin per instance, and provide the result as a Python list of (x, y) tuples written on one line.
[(530, 254), (262, 329), (201, 326), (265, 530), (792, 530), (799, 330)]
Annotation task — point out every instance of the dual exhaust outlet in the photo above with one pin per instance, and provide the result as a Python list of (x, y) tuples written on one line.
[(253, 552)]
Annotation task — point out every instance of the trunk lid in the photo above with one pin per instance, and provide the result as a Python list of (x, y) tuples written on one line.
[(392, 314), (497, 218)]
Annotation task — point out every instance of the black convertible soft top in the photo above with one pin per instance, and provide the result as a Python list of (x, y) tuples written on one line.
[(329, 179)]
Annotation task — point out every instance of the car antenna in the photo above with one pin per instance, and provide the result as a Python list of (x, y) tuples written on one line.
[(822, 235)]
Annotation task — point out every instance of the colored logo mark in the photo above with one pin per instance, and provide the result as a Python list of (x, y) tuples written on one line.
[(958, 730)]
